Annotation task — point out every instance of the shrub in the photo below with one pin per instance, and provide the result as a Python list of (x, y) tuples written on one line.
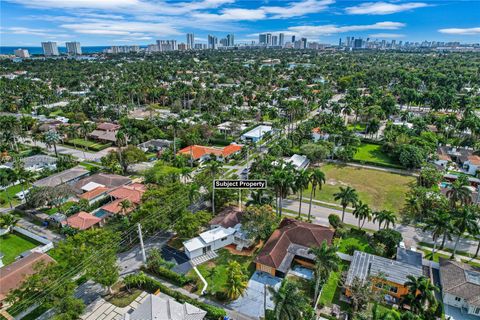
[(167, 274), (335, 221), (144, 282), (390, 238)]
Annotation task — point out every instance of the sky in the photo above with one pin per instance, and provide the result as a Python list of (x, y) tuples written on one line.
[(126, 22)]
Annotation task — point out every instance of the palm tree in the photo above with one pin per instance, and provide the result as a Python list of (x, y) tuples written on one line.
[(8, 221), (384, 216), (260, 197), (51, 138), (125, 204), (326, 261), (7, 177), (362, 212), (459, 192), (317, 179), (213, 168), (236, 280), (439, 224), (302, 180), (465, 220), (282, 181), (289, 301), (421, 294), (346, 196)]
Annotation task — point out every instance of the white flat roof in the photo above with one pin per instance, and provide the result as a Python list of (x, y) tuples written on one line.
[(297, 160), (258, 132), (193, 244), (216, 234), (91, 185)]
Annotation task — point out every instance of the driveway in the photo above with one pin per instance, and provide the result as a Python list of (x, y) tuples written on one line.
[(252, 303)]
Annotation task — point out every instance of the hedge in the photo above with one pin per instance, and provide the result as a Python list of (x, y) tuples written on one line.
[(152, 285), (167, 274)]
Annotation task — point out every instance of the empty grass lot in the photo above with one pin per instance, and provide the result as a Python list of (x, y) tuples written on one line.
[(379, 189), (13, 244), (12, 191), (372, 154), (90, 145), (215, 271)]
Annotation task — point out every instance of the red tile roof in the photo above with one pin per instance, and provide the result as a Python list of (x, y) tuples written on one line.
[(92, 194), (82, 220), (292, 231), (12, 275), (228, 217), (133, 192), (198, 151), (475, 160), (107, 126)]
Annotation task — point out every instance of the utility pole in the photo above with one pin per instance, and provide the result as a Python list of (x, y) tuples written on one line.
[(240, 199), (213, 197), (264, 301), (144, 257)]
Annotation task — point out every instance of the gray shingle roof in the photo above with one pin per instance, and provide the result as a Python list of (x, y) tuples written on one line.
[(155, 307), (460, 280), (364, 265), (62, 177)]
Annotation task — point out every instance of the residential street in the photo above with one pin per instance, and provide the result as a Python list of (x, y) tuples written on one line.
[(80, 154), (410, 234)]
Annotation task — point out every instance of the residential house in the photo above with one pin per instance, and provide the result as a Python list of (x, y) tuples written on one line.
[(201, 153), (386, 274), (257, 133), (155, 145), (96, 187), (472, 165), (69, 176), (289, 244), (82, 221), (133, 193), (106, 132), (226, 229), (298, 161), (318, 134), (209, 241), (12, 275), (165, 308), (460, 286), (231, 128), (463, 158), (36, 163)]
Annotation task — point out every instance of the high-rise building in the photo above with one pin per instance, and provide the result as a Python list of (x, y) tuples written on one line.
[(281, 39), (50, 49), (21, 53), (269, 39), (230, 40), (293, 39), (224, 42), (340, 42), (212, 42), (200, 46), (274, 40), (262, 38), (152, 48), (358, 43), (190, 41), (182, 47), (304, 43), (73, 48), (167, 45)]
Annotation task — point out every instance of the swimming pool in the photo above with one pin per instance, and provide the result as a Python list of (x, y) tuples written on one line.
[(445, 184), (100, 213)]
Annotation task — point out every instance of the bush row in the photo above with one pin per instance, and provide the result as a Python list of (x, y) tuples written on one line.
[(167, 274)]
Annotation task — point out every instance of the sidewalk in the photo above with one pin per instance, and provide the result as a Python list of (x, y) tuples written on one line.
[(448, 254)]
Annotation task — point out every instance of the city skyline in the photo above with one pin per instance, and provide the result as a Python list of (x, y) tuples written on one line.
[(129, 22)]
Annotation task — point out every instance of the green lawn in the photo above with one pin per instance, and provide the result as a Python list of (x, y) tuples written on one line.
[(123, 298), (13, 244), (89, 165), (352, 243), (380, 190), (67, 205), (11, 193), (372, 154), (332, 288), (357, 127), (215, 271), (91, 145)]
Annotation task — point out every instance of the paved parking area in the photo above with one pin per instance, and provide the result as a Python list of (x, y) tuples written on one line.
[(252, 302)]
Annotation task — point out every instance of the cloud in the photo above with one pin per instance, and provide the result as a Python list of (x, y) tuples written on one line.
[(380, 8), (386, 35), (232, 15), (122, 28), (461, 31), (27, 31), (315, 31), (297, 9)]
